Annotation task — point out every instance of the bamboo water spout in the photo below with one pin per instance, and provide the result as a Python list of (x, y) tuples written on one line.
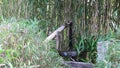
[(56, 34), (50, 37), (60, 29)]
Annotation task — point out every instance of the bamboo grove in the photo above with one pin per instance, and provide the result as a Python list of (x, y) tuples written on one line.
[(90, 17)]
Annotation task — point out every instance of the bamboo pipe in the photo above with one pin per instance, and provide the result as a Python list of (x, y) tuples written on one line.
[(50, 37), (60, 29)]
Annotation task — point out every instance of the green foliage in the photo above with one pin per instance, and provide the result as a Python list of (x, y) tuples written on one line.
[(87, 49), (107, 36), (21, 38), (89, 16), (21, 45)]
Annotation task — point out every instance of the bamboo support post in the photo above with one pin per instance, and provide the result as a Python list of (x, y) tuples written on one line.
[(57, 40)]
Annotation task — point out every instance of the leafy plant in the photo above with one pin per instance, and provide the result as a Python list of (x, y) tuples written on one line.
[(87, 49)]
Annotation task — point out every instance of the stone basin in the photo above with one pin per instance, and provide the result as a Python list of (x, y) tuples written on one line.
[(74, 64)]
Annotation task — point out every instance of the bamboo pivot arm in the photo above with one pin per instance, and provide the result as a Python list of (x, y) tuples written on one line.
[(60, 29)]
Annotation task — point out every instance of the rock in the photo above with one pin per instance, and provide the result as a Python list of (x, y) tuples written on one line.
[(68, 53), (73, 64), (102, 48)]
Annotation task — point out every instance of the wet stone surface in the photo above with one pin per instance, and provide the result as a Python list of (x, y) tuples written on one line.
[(73, 64)]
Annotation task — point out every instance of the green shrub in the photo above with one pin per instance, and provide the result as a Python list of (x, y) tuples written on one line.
[(21, 45), (87, 49)]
